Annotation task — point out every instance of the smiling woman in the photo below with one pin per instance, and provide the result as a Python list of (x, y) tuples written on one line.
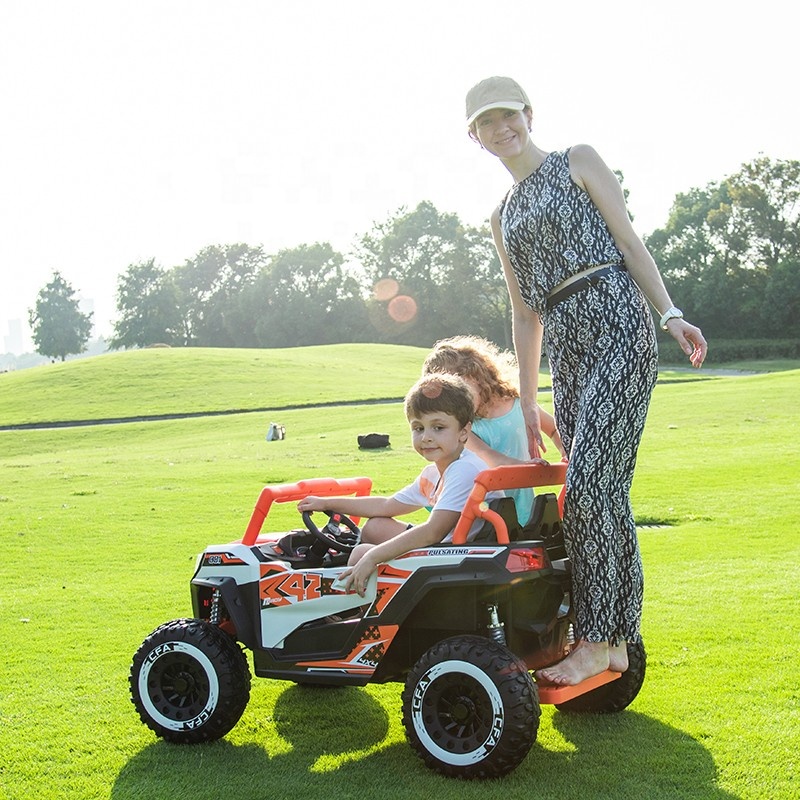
[(577, 276)]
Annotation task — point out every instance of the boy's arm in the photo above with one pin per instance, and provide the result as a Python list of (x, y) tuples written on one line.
[(432, 531), (373, 506)]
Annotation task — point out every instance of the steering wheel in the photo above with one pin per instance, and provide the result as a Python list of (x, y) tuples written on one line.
[(331, 535)]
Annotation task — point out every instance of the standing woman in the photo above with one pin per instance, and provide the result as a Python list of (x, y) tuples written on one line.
[(577, 277)]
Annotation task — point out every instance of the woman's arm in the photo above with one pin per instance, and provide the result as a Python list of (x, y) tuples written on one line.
[(590, 172), (527, 335), (549, 427)]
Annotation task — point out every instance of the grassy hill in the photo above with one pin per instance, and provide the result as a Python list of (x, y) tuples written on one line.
[(191, 380), (195, 380)]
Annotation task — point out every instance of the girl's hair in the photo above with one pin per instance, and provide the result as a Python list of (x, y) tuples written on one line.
[(440, 394), (493, 370)]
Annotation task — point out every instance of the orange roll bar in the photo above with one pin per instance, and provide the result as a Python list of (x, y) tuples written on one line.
[(287, 492), (511, 476)]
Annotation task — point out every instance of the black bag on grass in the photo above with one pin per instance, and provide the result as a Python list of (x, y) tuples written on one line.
[(372, 441)]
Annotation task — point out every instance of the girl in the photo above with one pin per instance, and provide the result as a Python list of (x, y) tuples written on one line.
[(498, 431)]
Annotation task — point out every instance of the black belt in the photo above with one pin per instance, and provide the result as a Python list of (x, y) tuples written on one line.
[(582, 283)]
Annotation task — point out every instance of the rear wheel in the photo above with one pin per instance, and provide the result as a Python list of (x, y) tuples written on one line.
[(189, 681), (470, 708), (612, 697)]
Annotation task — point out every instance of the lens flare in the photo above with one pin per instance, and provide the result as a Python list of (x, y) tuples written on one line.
[(432, 389), (402, 308), (385, 289)]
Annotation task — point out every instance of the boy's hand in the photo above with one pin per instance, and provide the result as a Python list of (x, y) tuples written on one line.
[(356, 578), (311, 503)]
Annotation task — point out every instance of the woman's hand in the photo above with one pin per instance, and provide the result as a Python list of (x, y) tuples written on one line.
[(690, 338), (530, 412)]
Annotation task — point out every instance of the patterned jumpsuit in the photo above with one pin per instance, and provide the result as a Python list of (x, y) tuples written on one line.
[(601, 347)]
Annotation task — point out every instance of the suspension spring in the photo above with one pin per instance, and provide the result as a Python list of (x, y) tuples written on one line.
[(495, 626), (215, 607)]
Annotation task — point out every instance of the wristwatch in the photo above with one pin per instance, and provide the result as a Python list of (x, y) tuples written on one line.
[(670, 313)]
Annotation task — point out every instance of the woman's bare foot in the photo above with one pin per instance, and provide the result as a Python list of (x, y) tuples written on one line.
[(586, 660), (618, 657)]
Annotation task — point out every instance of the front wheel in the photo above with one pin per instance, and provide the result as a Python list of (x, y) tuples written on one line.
[(470, 708), (612, 697), (189, 681)]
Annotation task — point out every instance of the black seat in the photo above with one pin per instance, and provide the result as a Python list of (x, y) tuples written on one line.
[(505, 507), (545, 524), (545, 520)]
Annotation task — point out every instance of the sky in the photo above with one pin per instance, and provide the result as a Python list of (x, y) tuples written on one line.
[(155, 128)]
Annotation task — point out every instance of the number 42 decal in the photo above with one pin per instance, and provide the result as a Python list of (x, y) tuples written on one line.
[(282, 589)]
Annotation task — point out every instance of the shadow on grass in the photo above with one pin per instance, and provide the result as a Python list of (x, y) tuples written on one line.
[(337, 743), (625, 755)]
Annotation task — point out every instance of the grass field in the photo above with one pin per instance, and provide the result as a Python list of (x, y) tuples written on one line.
[(100, 526)]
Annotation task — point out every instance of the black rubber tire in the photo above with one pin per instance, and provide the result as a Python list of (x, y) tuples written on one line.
[(614, 696), (470, 708), (189, 681)]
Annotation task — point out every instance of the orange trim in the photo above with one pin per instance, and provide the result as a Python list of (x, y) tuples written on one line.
[(550, 693), (271, 568), (287, 492), (511, 476), (386, 589)]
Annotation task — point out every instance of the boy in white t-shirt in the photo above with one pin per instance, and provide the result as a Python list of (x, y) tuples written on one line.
[(439, 409)]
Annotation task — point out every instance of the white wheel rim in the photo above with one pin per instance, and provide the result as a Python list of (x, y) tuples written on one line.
[(213, 686), (417, 704)]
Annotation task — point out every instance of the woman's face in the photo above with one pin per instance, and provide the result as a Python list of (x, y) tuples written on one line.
[(502, 131)]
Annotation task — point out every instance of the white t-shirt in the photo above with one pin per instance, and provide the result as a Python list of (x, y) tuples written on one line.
[(449, 491)]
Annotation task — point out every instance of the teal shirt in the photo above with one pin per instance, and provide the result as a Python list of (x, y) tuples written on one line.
[(507, 435)]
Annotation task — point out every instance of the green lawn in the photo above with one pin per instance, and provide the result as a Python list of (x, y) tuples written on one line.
[(100, 526)]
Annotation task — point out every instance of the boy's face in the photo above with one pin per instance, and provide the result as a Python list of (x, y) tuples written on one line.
[(438, 437)]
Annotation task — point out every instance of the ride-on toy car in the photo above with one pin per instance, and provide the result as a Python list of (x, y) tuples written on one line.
[(462, 625)]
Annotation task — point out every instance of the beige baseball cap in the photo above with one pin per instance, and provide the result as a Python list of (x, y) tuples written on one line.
[(495, 92)]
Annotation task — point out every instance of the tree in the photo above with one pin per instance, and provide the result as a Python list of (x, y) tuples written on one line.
[(148, 307), (766, 211), (447, 275), (209, 286), (305, 296), (59, 327), (731, 252)]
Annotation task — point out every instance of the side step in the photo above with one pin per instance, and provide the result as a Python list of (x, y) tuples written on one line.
[(552, 694)]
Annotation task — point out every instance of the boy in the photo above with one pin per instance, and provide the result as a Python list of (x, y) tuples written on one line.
[(439, 409)]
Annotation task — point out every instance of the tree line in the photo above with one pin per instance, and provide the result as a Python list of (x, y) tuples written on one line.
[(729, 254)]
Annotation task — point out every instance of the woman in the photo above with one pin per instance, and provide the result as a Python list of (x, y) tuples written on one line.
[(577, 277)]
